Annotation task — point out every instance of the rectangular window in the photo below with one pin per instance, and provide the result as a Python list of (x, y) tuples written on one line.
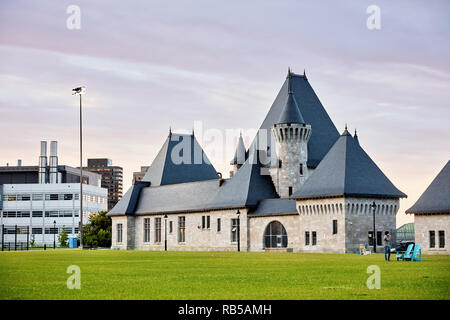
[(68, 196), (77, 196), (181, 229), (379, 236), (208, 222), (157, 230), (203, 222), (370, 235), (307, 238), (37, 214), (68, 230), (441, 239), (23, 214), (301, 169), (119, 232), (314, 238), (36, 230), (147, 230), (335, 227), (11, 197), (38, 196), (76, 213), (432, 239), (219, 227), (52, 196), (9, 214), (51, 230), (234, 230), (25, 197), (170, 226), (65, 213), (290, 191)]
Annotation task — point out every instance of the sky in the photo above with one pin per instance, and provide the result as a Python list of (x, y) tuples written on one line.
[(152, 65)]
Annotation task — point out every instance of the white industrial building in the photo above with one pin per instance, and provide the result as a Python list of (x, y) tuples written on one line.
[(44, 199)]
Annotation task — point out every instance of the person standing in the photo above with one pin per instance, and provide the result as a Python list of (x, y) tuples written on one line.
[(387, 246)]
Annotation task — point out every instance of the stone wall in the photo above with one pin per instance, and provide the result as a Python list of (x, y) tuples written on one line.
[(423, 224), (196, 237)]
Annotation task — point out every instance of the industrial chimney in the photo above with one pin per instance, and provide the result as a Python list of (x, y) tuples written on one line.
[(54, 162), (43, 162)]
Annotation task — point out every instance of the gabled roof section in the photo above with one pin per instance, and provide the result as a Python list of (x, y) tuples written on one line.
[(347, 170), (274, 207), (249, 185), (241, 154), (436, 198), (181, 159), (324, 133)]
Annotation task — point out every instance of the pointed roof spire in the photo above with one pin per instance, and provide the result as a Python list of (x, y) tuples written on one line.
[(291, 112), (304, 74), (170, 131), (240, 155), (356, 137), (289, 74), (346, 133)]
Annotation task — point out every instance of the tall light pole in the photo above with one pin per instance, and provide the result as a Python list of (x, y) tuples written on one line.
[(165, 232), (80, 91), (239, 230), (54, 234), (374, 207)]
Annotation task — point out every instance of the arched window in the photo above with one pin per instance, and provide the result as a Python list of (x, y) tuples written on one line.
[(275, 236)]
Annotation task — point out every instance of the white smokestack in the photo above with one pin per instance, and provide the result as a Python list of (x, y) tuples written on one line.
[(54, 162), (43, 162)]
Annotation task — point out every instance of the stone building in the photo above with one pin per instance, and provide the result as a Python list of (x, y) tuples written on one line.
[(299, 186), (432, 214)]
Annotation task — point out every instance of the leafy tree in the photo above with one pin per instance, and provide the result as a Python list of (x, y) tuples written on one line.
[(32, 241), (63, 238), (98, 231)]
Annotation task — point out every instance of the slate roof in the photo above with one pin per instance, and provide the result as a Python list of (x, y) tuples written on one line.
[(324, 134), (241, 154), (436, 198), (245, 189), (274, 207), (167, 169), (347, 170), (291, 112)]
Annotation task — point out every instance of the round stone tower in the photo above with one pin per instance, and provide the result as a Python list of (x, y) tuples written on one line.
[(292, 134)]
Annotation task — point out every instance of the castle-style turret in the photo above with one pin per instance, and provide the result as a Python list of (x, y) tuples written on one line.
[(292, 134), (239, 157)]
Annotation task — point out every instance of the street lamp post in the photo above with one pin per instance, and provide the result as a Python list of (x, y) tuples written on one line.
[(165, 232), (374, 208), (54, 234), (239, 230), (80, 91)]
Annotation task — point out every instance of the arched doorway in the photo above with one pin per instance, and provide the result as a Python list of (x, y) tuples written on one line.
[(275, 236)]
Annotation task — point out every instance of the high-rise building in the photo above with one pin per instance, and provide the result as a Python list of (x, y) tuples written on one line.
[(112, 178), (137, 176)]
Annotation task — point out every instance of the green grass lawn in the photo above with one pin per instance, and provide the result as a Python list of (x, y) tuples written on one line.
[(111, 274)]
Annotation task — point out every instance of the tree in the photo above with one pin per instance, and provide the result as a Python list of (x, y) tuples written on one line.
[(63, 237), (32, 241), (98, 231)]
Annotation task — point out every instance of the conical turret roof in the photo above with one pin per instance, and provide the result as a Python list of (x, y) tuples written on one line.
[(291, 112), (240, 155)]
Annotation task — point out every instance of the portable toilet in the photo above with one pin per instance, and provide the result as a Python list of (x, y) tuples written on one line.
[(73, 242)]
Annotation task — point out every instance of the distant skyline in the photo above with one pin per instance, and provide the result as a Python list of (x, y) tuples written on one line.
[(151, 65)]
